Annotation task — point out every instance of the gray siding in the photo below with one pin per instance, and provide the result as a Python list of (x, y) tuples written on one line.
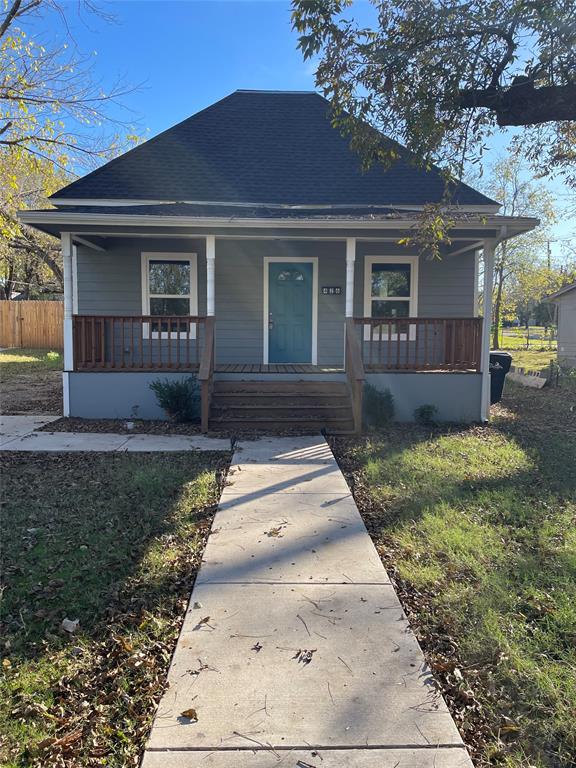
[(239, 297), (567, 328), (110, 282)]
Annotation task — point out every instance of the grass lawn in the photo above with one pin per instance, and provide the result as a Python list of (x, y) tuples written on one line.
[(30, 381), (477, 527), (113, 541), (532, 360), (17, 361), (538, 339)]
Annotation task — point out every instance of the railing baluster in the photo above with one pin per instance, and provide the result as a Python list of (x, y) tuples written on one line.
[(113, 341), (371, 347), (122, 343)]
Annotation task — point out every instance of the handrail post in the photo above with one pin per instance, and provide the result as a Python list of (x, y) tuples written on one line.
[(206, 373), (354, 372)]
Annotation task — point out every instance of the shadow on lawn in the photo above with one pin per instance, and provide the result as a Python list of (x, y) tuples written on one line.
[(80, 532), (534, 454), (482, 518)]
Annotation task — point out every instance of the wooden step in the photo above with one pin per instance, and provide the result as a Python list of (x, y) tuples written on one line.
[(281, 387), (249, 412), (303, 406), (343, 425)]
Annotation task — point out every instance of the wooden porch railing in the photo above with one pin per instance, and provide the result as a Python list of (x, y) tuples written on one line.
[(420, 343), (354, 371), (206, 373), (138, 343), (148, 343)]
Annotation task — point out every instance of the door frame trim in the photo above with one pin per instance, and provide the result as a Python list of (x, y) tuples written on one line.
[(298, 260)]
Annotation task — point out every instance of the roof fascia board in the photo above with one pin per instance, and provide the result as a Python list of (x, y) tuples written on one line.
[(64, 218), (562, 292)]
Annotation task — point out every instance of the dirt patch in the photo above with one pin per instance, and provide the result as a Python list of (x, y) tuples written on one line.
[(23, 393), (120, 426), (144, 427)]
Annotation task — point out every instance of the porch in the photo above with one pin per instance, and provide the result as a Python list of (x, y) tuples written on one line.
[(186, 344), (305, 307)]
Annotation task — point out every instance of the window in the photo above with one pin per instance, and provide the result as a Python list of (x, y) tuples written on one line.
[(290, 275), (169, 288), (390, 288)]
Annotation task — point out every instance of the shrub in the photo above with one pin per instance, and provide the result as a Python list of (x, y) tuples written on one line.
[(378, 406), (179, 399), (425, 415)]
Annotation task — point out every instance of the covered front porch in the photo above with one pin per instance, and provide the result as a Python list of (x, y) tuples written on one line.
[(328, 301)]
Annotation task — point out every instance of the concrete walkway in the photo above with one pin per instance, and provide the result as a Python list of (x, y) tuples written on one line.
[(295, 650), (18, 433)]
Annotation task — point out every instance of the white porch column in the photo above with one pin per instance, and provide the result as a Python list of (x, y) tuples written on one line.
[(66, 243), (66, 240), (350, 259), (210, 283), (489, 248)]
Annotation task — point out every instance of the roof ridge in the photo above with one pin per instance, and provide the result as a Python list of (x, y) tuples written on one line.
[(277, 91)]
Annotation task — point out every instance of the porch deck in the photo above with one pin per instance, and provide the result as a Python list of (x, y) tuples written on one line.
[(276, 368)]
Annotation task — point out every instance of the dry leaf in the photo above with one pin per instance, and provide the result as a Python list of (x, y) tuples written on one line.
[(190, 714)]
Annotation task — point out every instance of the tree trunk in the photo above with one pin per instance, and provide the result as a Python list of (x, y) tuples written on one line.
[(497, 308)]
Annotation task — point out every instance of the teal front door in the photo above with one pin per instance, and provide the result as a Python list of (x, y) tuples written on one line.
[(290, 312)]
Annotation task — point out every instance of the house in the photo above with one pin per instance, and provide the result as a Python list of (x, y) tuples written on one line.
[(565, 300), (246, 244)]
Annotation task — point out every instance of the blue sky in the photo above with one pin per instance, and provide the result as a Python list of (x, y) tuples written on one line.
[(186, 54)]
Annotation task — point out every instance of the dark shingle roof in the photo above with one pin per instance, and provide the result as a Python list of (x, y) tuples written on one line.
[(260, 147)]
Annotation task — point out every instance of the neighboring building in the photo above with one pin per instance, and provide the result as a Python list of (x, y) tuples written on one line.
[(565, 300), (247, 244)]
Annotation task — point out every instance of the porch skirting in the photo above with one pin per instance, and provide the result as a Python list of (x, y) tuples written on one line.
[(111, 395), (456, 396), (127, 395)]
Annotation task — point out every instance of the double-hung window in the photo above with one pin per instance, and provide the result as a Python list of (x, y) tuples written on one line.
[(390, 291), (169, 290)]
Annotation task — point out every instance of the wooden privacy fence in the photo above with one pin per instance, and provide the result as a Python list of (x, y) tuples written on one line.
[(36, 324)]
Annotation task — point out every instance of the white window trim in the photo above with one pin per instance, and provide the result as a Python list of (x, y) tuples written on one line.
[(192, 258), (413, 298), (298, 260)]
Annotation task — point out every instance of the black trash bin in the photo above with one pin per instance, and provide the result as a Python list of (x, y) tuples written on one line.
[(500, 363)]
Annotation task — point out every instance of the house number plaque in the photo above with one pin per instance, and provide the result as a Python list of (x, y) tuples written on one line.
[(331, 290)]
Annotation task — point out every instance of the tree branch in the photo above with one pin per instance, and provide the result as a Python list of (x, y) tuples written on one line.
[(522, 104)]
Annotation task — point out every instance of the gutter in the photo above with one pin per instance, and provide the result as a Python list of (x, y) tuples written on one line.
[(65, 218)]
